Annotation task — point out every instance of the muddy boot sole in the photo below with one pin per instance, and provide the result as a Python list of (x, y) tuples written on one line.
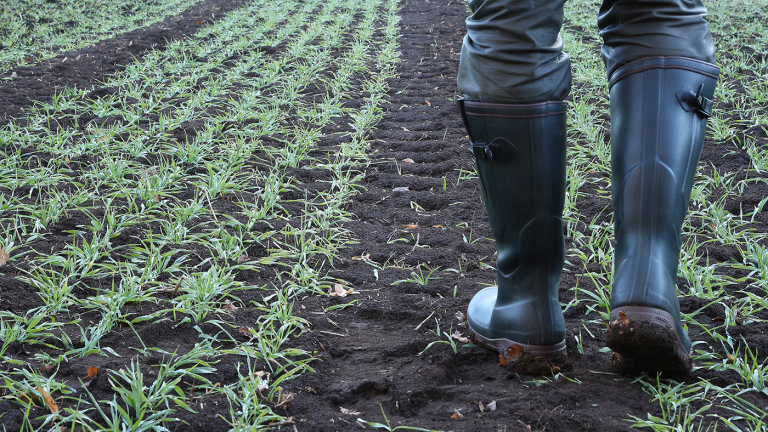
[(524, 358), (644, 339)]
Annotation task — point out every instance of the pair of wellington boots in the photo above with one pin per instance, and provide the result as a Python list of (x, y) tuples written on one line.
[(659, 110)]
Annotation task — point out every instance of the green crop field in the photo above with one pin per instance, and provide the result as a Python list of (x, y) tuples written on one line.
[(35, 30), (162, 232), (193, 206)]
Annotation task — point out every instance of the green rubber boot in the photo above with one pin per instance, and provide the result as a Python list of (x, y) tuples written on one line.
[(659, 111), (520, 155)]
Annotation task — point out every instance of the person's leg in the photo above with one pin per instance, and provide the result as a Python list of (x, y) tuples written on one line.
[(660, 57), (512, 52), (514, 78), (636, 29)]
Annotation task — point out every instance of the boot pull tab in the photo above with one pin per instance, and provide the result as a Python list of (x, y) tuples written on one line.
[(499, 149), (695, 102)]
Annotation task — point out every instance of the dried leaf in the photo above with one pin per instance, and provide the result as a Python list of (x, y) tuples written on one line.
[(364, 257), (491, 406), (4, 257), (438, 226), (46, 368), (401, 189), (515, 351), (459, 337), (426, 102), (410, 226), (26, 398), (503, 360), (456, 415), (339, 291), (92, 371), (228, 305), (405, 129), (243, 258), (349, 411), (201, 22), (156, 199), (285, 400), (52, 407), (263, 382), (408, 160), (480, 405), (718, 319), (461, 317), (623, 318), (245, 331), (731, 359)]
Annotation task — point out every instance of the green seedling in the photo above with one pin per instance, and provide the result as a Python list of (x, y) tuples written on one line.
[(421, 278)]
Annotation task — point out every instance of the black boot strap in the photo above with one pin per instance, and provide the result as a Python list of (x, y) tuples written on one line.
[(499, 149)]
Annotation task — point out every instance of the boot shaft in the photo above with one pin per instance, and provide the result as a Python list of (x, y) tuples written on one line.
[(520, 157)]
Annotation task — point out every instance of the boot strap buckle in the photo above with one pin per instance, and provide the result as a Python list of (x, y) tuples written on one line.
[(695, 102), (499, 148), (482, 151)]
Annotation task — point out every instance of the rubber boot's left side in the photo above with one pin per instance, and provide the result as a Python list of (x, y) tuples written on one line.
[(520, 156)]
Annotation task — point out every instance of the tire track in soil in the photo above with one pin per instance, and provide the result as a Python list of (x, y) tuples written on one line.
[(369, 352), (89, 66)]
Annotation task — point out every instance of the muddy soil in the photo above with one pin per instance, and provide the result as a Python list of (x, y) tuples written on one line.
[(418, 208)]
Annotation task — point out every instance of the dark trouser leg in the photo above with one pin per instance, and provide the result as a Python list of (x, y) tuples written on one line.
[(661, 84), (512, 52), (635, 29)]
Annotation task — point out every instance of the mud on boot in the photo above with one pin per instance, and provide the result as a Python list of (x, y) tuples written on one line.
[(645, 338)]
